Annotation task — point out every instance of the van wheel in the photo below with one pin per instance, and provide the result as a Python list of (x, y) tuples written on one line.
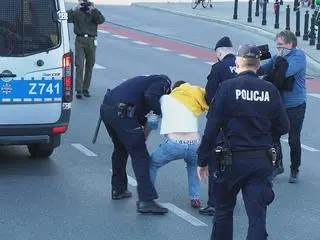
[(38, 151)]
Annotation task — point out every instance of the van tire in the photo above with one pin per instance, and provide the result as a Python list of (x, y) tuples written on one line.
[(40, 151)]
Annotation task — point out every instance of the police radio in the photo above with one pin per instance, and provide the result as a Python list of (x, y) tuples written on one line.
[(223, 154), (272, 154)]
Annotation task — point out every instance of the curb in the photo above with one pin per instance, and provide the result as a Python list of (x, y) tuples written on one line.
[(247, 28)]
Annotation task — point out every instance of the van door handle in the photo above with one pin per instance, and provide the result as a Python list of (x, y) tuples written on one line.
[(7, 74)]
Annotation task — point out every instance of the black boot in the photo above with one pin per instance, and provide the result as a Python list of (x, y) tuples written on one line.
[(117, 196), (208, 211), (86, 93), (294, 176), (150, 207), (79, 95)]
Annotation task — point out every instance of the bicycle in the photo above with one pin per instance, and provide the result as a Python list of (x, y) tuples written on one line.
[(195, 3)]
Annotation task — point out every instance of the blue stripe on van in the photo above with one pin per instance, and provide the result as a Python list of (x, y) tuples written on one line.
[(30, 90)]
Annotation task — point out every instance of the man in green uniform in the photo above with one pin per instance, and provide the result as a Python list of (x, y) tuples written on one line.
[(85, 18)]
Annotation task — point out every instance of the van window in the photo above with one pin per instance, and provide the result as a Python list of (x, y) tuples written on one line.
[(28, 27)]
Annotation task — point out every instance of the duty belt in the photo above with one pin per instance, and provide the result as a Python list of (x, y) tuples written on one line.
[(85, 35), (123, 109), (249, 153), (112, 103)]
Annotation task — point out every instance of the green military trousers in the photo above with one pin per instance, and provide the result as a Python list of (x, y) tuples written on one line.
[(85, 57)]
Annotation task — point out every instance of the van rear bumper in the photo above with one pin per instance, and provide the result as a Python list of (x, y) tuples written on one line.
[(23, 140), (34, 133)]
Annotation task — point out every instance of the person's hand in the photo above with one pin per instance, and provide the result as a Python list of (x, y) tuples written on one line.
[(203, 172), (281, 62), (153, 121), (91, 7)]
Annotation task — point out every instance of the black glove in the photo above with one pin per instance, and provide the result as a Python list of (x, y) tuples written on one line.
[(276, 75), (281, 63)]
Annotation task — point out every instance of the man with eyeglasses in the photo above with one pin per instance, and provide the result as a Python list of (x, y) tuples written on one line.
[(292, 63)]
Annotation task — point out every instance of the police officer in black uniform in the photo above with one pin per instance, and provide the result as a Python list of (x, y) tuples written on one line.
[(222, 70), (249, 112), (123, 112)]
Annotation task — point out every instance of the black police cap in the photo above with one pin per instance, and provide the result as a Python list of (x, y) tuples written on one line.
[(223, 42), (249, 51)]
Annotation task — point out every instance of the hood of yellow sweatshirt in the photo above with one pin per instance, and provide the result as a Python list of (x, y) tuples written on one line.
[(192, 97)]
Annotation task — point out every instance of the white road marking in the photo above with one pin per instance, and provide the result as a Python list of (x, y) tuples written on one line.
[(210, 63), (317, 95), (97, 66), (187, 56), (311, 149), (178, 211), (119, 36), (141, 43), (131, 181), (162, 49), (83, 149), (103, 31), (184, 215)]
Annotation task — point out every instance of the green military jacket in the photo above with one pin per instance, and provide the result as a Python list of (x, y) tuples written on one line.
[(85, 23)]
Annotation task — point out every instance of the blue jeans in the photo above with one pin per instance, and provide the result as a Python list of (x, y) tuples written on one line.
[(171, 150)]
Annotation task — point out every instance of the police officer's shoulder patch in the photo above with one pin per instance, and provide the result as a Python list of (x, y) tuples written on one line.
[(233, 69)]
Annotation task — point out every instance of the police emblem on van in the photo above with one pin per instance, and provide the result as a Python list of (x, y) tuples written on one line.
[(6, 88)]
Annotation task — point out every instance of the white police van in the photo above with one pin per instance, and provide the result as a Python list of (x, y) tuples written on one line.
[(36, 74)]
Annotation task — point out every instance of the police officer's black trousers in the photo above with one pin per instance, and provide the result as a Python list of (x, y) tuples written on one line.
[(252, 175), (128, 138), (211, 170)]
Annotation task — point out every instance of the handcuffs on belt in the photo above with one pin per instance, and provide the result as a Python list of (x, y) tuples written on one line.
[(125, 110)]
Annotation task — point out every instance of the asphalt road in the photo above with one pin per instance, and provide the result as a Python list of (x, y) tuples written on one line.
[(68, 197)]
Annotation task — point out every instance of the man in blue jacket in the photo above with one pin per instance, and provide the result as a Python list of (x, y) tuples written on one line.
[(123, 112), (293, 92)]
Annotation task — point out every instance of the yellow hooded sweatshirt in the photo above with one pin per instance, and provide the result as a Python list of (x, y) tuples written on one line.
[(192, 97)]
